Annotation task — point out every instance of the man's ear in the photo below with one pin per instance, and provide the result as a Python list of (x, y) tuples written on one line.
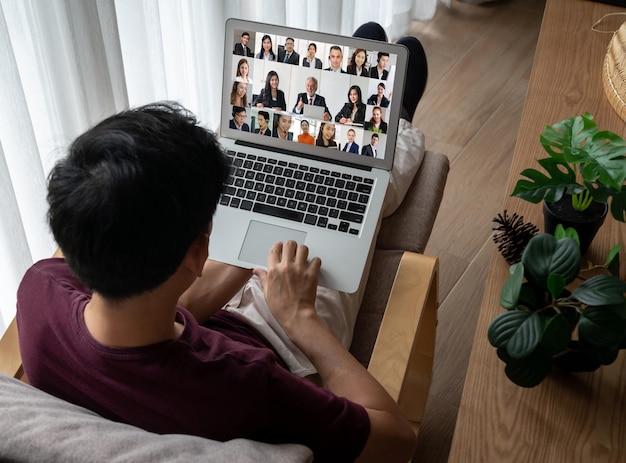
[(198, 253)]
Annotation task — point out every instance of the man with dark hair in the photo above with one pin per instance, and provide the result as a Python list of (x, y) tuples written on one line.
[(287, 54), (310, 61), (370, 150), (380, 70), (126, 319), (335, 57), (238, 122), (242, 48)]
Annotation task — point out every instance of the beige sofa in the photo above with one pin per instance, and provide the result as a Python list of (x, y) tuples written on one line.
[(394, 338)]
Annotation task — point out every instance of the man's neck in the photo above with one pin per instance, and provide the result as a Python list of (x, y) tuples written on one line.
[(137, 321)]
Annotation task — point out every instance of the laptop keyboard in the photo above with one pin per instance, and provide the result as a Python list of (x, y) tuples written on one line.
[(319, 197)]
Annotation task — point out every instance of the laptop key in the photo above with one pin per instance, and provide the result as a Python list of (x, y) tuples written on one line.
[(322, 222), (356, 207), (344, 226), (353, 231), (364, 188), (281, 212), (350, 216), (246, 205), (310, 219)]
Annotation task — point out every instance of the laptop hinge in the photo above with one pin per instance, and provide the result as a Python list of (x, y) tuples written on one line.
[(303, 155)]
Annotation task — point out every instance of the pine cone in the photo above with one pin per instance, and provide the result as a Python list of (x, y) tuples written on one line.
[(512, 235)]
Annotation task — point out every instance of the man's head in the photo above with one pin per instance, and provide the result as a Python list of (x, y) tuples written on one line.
[(132, 195), (244, 38), (312, 49), (289, 42), (311, 86), (351, 134), (335, 56), (239, 115), (374, 139), (383, 59), (263, 117)]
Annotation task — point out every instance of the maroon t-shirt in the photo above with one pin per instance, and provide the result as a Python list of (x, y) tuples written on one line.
[(219, 381)]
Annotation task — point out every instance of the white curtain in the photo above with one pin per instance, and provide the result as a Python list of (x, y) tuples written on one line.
[(65, 64)]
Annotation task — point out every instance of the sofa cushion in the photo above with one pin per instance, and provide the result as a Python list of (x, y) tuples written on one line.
[(36, 426)]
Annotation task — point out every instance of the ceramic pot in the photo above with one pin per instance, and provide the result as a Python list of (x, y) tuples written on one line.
[(586, 223)]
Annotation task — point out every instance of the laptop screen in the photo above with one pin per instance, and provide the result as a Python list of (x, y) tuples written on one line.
[(312, 93)]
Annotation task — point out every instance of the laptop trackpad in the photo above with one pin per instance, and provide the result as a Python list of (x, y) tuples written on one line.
[(260, 238)]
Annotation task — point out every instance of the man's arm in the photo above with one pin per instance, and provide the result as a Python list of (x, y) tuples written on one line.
[(217, 285), (290, 287)]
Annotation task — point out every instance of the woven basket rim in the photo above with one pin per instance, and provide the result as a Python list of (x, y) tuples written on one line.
[(614, 72)]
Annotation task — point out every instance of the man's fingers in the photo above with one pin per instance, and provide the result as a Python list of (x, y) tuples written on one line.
[(275, 253), (261, 273)]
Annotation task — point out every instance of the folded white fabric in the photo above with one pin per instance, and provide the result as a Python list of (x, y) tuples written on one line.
[(338, 310)]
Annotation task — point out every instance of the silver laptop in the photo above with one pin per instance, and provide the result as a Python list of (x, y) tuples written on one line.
[(298, 183)]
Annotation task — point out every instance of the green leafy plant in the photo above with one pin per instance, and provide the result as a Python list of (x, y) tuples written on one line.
[(585, 163), (546, 324)]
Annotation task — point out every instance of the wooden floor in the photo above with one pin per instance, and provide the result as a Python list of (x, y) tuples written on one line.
[(480, 59)]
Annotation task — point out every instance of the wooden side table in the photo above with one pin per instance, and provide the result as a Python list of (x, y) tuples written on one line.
[(568, 417)]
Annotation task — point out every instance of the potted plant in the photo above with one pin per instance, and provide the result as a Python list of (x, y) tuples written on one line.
[(546, 324), (585, 169)]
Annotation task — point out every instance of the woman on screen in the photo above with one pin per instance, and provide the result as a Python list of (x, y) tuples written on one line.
[(243, 70), (356, 66), (282, 124), (376, 123), (326, 136), (266, 52), (271, 96), (305, 136), (239, 94), (354, 109)]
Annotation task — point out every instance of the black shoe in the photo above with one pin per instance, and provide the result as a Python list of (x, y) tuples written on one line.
[(416, 76), (371, 30)]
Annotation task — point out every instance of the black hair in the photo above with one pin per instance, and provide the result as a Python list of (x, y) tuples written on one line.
[(374, 135), (132, 195), (265, 114), (268, 88), (380, 55), (312, 44), (244, 34), (358, 92), (260, 55), (238, 109)]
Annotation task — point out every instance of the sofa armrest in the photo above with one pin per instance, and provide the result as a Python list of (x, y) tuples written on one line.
[(10, 358), (402, 358)]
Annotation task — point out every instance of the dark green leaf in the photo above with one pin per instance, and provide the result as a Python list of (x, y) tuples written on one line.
[(618, 205), (601, 290), (530, 371), (526, 338), (551, 187), (544, 255), (556, 285), (504, 326), (612, 260), (601, 328), (511, 288), (556, 334)]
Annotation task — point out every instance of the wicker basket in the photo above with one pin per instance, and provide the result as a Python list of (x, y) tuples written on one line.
[(614, 72)]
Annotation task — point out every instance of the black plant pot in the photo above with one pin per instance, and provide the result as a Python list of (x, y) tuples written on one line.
[(586, 223)]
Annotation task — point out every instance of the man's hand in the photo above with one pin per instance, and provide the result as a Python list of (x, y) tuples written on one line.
[(290, 282)]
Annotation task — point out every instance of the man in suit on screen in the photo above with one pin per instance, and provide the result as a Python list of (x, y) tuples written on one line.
[(242, 48)]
